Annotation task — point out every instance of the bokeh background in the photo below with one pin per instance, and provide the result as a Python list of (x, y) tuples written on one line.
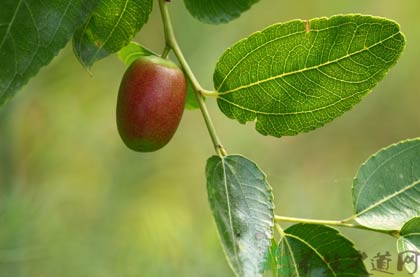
[(74, 201)]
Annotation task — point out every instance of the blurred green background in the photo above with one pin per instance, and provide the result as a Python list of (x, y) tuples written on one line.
[(74, 201)]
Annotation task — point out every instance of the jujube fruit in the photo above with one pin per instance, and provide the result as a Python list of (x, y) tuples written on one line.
[(150, 103)]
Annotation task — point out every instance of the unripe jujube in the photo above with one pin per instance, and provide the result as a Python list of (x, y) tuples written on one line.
[(150, 103)]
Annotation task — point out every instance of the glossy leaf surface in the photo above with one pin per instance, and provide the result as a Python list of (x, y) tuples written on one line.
[(110, 27), (317, 250), (297, 76), (386, 190), (408, 246), (241, 202)]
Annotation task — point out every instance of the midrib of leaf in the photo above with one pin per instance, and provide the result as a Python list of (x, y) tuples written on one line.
[(380, 166), (300, 70), (240, 187), (387, 198), (11, 23), (83, 35), (61, 20), (111, 32), (292, 255), (315, 250), (293, 113), (7, 33), (235, 250), (411, 234), (37, 48), (252, 51)]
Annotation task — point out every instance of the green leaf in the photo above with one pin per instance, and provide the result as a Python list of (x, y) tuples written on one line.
[(31, 34), (110, 27), (132, 52), (271, 263), (410, 233), (191, 102), (241, 202), (408, 246), (317, 250), (217, 11), (386, 190), (297, 76)]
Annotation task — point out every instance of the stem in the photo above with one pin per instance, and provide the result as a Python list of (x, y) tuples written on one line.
[(280, 230), (165, 52), (171, 43), (339, 223)]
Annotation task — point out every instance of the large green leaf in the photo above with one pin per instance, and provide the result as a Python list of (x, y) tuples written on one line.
[(241, 202), (110, 27), (386, 190), (408, 246), (297, 76), (317, 250), (31, 34), (217, 11)]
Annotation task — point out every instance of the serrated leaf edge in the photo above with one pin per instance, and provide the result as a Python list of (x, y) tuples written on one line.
[(355, 201)]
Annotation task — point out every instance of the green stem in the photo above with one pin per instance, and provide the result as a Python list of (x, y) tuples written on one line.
[(280, 230), (338, 223), (171, 43), (165, 52)]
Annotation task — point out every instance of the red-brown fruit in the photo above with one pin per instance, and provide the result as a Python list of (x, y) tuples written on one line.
[(150, 103)]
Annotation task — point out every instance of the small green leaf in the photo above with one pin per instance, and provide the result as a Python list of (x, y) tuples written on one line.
[(110, 27), (386, 190), (271, 263), (31, 35), (132, 52), (191, 102), (408, 246), (217, 11), (410, 232), (297, 76), (241, 202), (317, 250)]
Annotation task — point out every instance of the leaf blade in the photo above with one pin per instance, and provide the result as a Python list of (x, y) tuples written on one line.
[(191, 102), (297, 76), (386, 190), (217, 11), (317, 250), (110, 27), (241, 202), (408, 245), (33, 35)]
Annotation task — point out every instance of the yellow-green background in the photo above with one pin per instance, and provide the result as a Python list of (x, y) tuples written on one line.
[(74, 201)]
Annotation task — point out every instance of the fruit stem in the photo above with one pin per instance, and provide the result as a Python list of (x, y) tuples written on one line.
[(339, 223), (171, 43), (165, 52)]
